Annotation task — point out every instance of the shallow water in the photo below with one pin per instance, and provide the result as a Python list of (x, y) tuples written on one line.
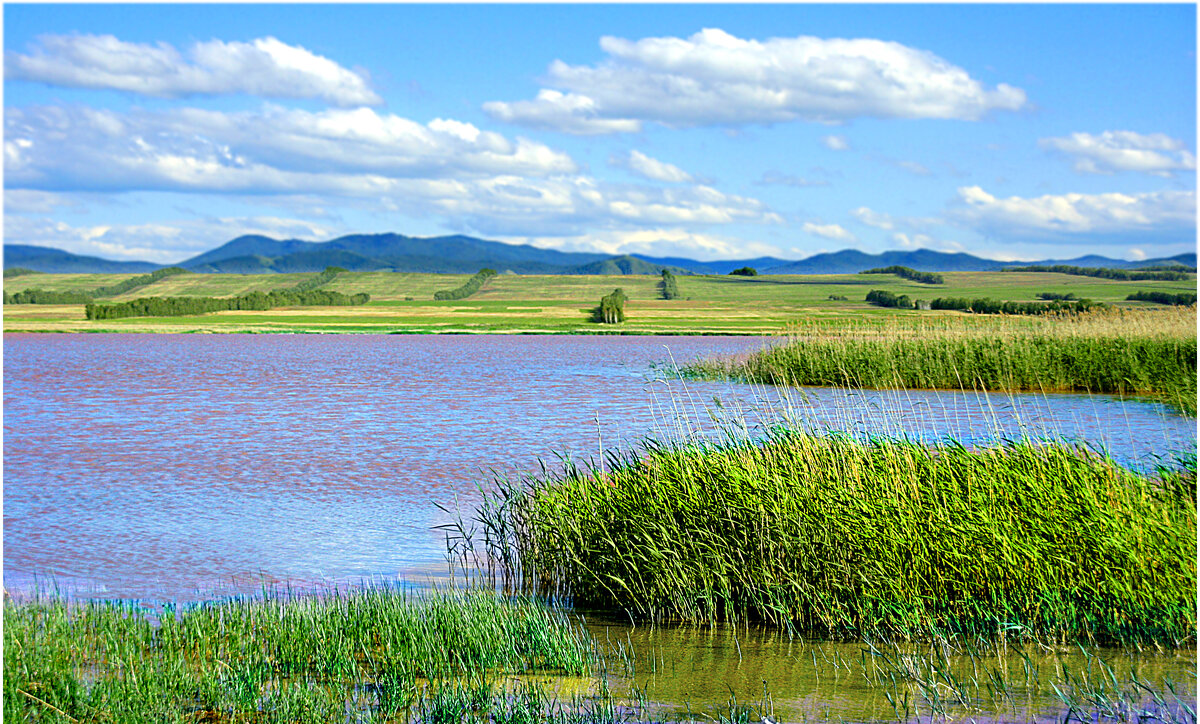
[(171, 466), (702, 669)]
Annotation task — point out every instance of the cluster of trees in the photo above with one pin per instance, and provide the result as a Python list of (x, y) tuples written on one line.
[(838, 298), (186, 306), (140, 280), (1056, 297), (908, 273), (668, 285), (745, 271), (994, 306), (1124, 275), (41, 296), (1183, 299), (881, 298), (318, 280), (611, 309), (17, 271), (470, 287)]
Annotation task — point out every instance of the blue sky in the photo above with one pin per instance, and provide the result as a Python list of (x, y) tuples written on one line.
[(156, 132)]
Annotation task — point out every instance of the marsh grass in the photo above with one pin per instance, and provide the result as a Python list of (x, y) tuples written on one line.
[(1150, 353), (829, 535), (375, 654)]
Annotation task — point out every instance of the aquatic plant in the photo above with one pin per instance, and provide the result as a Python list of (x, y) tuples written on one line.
[(378, 650), (836, 536), (1111, 351)]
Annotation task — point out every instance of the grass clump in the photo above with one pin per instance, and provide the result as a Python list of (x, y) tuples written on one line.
[(835, 536), (1111, 351), (378, 651)]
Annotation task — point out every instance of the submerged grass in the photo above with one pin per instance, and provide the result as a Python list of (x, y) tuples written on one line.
[(381, 654), (835, 536), (1150, 353)]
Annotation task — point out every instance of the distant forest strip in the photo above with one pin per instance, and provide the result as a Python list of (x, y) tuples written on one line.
[(41, 296), (187, 306), (18, 271), (317, 280), (141, 280), (909, 273), (472, 285), (668, 285), (1124, 275), (994, 306), (881, 298), (1179, 300)]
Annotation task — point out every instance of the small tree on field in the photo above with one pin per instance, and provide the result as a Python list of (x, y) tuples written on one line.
[(670, 289), (611, 309), (746, 271)]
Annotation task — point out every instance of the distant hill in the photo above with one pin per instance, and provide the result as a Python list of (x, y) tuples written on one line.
[(458, 254), (57, 261), (624, 265)]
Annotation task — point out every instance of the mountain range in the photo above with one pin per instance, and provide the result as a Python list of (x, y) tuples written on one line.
[(458, 254)]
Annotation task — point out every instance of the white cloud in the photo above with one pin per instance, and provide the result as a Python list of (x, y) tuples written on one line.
[(877, 219), (653, 169), (163, 242), (274, 149), (1137, 254), (660, 242), (924, 241), (566, 112), (264, 67), (1157, 154), (714, 78), (828, 231), (836, 143), (1083, 216)]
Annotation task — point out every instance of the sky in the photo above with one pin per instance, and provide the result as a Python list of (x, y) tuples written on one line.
[(156, 132)]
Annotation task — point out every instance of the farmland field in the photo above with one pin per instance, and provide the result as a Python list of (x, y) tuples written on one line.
[(404, 303)]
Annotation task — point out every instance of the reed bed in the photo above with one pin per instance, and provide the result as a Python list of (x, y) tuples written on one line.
[(377, 654), (834, 536), (1150, 353)]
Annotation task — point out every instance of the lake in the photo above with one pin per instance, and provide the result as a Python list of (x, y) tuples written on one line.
[(175, 466)]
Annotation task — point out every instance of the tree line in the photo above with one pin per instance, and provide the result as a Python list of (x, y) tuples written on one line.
[(140, 280), (611, 309), (471, 286), (42, 296), (318, 280), (1183, 299), (908, 273), (256, 301), (668, 285), (17, 271), (881, 298), (1125, 275), (995, 306)]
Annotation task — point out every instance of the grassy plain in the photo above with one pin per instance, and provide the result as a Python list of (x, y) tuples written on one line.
[(552, 304)]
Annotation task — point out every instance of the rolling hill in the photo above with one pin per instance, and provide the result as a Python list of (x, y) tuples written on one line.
[(253, 254)]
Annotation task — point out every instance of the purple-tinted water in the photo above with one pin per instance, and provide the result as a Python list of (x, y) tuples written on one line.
[(168, 466)]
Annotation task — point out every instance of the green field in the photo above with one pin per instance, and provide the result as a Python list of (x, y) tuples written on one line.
[(402, 302)]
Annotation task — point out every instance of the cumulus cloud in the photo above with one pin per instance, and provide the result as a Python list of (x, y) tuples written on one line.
[(1081, 216), (836, 143), (653, 169), (480, 181), (714, 78), (1112, 151), (274, 149), (264, 67), (828, 231)]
